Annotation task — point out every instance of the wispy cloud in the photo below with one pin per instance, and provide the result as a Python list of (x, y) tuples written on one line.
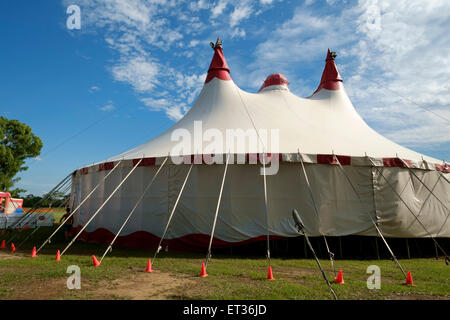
[(108, 107), (240, 13), (400, 45), (138, 71), (174, 111), (386, 60), (402, 62), (94, 89), (149, 36)]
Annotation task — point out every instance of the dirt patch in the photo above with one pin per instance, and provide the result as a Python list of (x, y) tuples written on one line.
[(139, 286), (49, 289), (296, 272), (4, 255), (142, 286)]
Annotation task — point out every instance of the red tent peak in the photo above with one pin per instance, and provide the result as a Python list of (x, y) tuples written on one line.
[(275, 79), (330, 76), (330, 55), (218, 67)]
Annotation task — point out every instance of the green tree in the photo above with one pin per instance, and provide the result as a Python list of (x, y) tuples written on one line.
[(17, 143)]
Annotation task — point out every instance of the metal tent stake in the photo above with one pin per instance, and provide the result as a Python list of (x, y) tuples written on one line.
[(301, 229), (330, 254)]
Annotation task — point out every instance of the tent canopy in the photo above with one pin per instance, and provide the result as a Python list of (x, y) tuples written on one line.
[(324, 123)]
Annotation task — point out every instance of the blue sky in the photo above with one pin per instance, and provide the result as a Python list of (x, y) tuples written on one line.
[(136, 66)]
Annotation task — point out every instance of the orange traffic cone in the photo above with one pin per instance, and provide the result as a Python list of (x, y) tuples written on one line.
[(269, 274), (3, 246), (203, 271), (58, 256), (409, 280), (149, 266), (13, 247), (33, 253), (340, 278), (95, 262)]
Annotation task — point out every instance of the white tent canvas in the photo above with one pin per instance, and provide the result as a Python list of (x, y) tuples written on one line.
[(323, 131)]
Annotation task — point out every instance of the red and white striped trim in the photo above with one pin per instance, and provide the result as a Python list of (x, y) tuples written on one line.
[(105, 166), (254, 158)]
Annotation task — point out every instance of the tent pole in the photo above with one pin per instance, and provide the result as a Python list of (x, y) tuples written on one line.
[(305, 248), (407, 248), (376, 248), (79, 206), (447, 259), (109, 248), (330, 254), (173, 211), (101, 207), (208, 255), (266, 207), (301, 229), (436, 251), (371, 218)]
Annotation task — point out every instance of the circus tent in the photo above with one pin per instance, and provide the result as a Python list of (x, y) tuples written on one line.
[(315, 154)]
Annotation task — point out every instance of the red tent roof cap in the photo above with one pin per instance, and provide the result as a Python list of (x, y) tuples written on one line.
[(218, 67), (275, 79), (330, 76)]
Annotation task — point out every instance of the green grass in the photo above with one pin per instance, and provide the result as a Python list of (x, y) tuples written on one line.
[(229, 277)]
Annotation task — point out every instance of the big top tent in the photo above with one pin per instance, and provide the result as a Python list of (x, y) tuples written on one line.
[(233, 168)]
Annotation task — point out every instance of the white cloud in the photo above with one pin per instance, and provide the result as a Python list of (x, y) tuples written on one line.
[(401, 45), (174, 111), (218, 8), (390, 53), (108, 107), (190, 85), (240, 13), (200, 4), (94, 89), (400, 52), (238, 33), (333, 2), (139, 72), (193, 43)]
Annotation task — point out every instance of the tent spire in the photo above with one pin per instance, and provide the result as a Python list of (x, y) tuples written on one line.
[(218, 67), (330, 76)]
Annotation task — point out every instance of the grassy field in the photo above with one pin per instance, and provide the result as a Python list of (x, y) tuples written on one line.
[(121, 275)]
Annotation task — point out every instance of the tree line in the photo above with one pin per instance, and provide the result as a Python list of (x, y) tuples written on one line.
[(55, 200)]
